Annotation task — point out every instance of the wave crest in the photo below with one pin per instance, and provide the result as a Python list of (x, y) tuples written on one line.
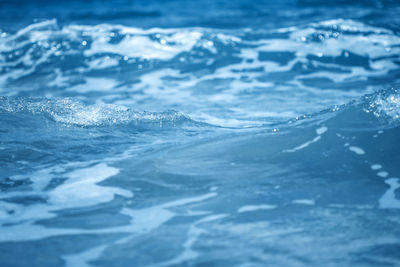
[(384, 104), (72, 112)]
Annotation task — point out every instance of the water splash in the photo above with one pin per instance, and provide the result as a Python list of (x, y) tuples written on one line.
[(73, 112)]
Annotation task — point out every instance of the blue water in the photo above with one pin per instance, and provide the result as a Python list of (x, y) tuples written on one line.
[(199, 133)]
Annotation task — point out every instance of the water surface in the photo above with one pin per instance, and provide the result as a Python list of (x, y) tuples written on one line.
[(208, 133)]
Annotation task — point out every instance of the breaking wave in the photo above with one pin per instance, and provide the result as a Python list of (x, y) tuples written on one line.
[(72, 112), (226, 77)]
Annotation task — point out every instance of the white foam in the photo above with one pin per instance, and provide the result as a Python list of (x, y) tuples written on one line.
[(142, 220), (374, 44), (376, 167), (310, 202), (302, 146), (357, 150), (146, 219), (321, 130), (139, 46), (81, 188), (185, 201), (255, 208), (102, 63), (388, 106), (165, 44), (388, 200), (213, 188), (59, 80), (383, 174)]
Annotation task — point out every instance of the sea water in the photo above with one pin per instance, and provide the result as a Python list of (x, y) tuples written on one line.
[(199, 133)]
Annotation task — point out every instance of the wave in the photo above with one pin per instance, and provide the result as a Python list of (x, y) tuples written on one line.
[(209, 73), (381, 108), (73, 112), (371, 112), (182, 139), (342, 160)]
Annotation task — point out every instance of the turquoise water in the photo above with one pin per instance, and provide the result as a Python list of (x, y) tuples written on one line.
[(209, 133)]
